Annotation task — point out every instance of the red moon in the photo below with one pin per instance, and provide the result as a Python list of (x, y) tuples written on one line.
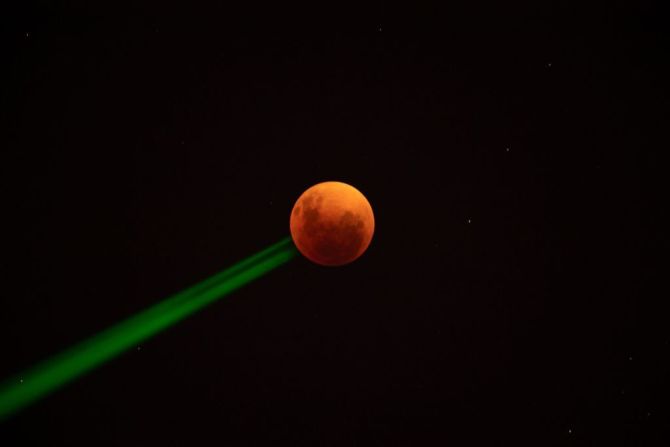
[(332, 223)]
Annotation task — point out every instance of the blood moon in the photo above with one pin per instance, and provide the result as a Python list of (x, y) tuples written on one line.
[(332, 223)]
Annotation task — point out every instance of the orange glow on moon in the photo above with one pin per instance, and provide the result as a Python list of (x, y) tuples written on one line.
[(332, 223)]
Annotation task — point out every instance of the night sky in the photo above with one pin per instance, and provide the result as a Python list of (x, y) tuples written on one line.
[(507, 299)]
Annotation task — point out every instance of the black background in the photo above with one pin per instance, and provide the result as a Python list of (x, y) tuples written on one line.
[(506, 298)]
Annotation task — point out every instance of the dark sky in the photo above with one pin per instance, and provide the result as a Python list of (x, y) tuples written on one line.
[(505, 300)]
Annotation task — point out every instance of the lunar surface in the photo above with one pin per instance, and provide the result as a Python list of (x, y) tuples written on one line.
[(332, 223)]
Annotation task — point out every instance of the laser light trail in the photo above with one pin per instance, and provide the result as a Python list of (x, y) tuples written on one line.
[(52, 374)]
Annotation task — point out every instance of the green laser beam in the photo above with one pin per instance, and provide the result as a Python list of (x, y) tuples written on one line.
[(61, 369)]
